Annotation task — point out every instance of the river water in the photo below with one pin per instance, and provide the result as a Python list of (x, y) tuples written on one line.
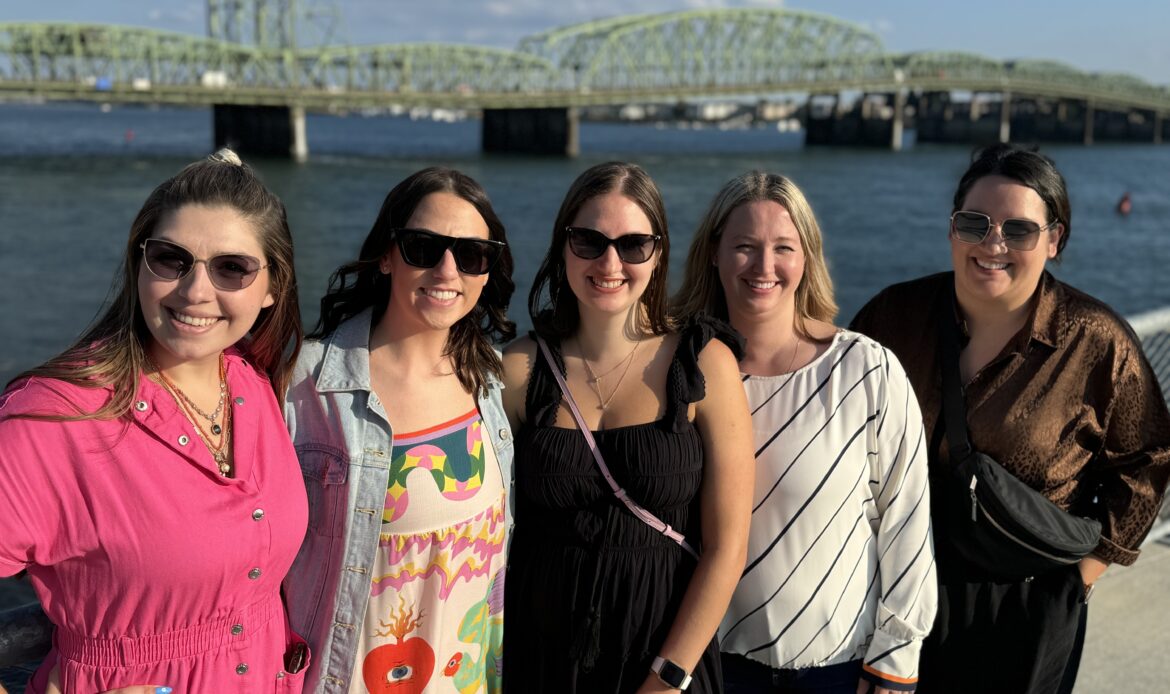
[(73, 176)]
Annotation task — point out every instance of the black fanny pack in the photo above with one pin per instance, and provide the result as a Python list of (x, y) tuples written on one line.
[(997, 524)]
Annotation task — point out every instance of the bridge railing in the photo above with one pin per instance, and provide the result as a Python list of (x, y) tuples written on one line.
[(1153, 328)]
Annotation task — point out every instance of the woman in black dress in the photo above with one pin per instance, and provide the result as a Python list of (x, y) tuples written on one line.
[(598, 601)]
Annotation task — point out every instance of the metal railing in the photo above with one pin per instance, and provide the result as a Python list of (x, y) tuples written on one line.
[(1153, 329)]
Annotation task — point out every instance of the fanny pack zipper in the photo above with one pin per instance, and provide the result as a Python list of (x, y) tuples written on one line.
[(977, 505)]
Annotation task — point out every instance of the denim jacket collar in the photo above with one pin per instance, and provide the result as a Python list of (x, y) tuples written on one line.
[(346, 363)]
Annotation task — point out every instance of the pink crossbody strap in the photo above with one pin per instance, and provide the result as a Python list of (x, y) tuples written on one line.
[(635, 508)]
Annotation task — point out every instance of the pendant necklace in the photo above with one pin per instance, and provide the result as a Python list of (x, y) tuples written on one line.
[(594, 380), (219, 451)]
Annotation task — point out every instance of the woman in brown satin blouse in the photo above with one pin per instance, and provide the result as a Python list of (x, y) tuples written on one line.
[(1057, 390)]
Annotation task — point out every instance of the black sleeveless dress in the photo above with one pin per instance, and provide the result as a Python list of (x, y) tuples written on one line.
[(592, 591)]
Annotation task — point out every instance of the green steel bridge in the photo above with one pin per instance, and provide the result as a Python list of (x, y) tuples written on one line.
[(251, 58)]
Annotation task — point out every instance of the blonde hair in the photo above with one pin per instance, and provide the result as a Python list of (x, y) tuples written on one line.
[(701, 290)]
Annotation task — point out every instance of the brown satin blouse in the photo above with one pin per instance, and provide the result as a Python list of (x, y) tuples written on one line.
[(1070, 405)]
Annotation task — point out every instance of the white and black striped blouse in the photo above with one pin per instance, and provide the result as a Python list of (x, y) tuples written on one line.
[(840, 559)]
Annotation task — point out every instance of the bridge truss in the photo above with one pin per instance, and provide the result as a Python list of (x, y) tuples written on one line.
[(666, 57)]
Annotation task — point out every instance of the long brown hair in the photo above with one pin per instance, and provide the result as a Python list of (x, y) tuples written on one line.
[(360, 284), (551, 302), (111, 353), (701, 290)]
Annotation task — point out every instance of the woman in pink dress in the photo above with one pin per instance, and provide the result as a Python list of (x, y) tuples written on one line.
[(148, 485)]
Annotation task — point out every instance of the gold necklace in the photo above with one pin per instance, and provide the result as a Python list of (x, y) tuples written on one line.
[(219, 452), (795, 349), (594, 380)]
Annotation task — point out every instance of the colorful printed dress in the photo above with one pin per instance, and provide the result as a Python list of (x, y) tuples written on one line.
[(434, 621)]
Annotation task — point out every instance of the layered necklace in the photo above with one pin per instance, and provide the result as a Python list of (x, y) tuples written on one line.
[(594, 379), (216, 438)]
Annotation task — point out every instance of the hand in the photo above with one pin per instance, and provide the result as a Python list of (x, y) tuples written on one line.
[(1091, 569), (653, 685), (867, 687), (55, 687)]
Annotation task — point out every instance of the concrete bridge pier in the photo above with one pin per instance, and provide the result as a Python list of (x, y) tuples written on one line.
[(1158, 124), (898, 125), (531, 131), (940, 119), (275, 131), (1005, 117), (821, 119), (1090, 122), (874, 120), (1046, 120)]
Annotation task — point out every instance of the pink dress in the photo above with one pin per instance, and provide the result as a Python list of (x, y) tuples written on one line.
[(155, 569)]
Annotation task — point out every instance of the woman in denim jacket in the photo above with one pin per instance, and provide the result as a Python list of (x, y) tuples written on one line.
[(396, 416)]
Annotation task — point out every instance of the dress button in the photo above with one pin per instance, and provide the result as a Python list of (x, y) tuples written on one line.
[(183, 440), (141, 406), (239, 401), (242, 669), (257, 514), (254, 574), (237, 629)]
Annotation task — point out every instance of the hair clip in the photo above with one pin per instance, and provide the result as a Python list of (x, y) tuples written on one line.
[(227, 156)]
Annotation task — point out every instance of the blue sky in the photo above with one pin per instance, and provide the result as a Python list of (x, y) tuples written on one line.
[(1116, 36)]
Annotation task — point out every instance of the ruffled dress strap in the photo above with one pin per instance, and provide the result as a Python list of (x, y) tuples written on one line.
[(684, 382), (544, 395)]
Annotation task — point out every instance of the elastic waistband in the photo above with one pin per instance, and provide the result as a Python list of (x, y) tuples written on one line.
[(126, 651)]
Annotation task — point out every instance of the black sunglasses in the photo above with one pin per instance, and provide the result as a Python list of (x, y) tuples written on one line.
[(168, 260), (423, 248), (589, 244), (1018, 234)]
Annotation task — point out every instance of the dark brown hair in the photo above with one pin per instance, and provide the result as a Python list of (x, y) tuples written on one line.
[(360, 284), (112, 353), (551, 303)]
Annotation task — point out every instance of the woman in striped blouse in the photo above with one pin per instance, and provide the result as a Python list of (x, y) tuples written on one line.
[(839, 589)]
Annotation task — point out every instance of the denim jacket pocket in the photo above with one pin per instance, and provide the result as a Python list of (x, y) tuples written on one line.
[(325, 470)]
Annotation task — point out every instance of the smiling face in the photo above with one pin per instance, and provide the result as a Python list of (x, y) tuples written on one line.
[(606, 284), (990, 273), (435, 298), (189, 319), (760, 261)]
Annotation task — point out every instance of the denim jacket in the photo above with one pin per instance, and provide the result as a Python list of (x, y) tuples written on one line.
[(343, 441)]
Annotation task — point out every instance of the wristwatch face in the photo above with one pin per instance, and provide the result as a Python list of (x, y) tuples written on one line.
[(672, 674)]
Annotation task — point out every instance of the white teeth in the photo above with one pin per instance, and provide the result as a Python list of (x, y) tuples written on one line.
[(442, 294), (608, 284), (192, 320), (761, 285), (990, 266)]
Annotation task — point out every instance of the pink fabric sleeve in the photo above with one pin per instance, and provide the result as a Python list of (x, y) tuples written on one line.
[(35, 479)]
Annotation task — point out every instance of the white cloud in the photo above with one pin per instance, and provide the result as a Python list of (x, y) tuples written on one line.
[(500, 9)]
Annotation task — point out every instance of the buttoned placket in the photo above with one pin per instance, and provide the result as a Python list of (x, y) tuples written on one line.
[(369, 477), (169, 426)]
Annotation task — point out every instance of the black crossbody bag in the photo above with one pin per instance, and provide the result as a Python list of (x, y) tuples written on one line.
[(996, 523)]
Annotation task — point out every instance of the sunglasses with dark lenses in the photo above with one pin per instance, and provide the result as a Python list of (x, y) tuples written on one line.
[(230, 272), (1018, 234), (589, 244), (423, 248)]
